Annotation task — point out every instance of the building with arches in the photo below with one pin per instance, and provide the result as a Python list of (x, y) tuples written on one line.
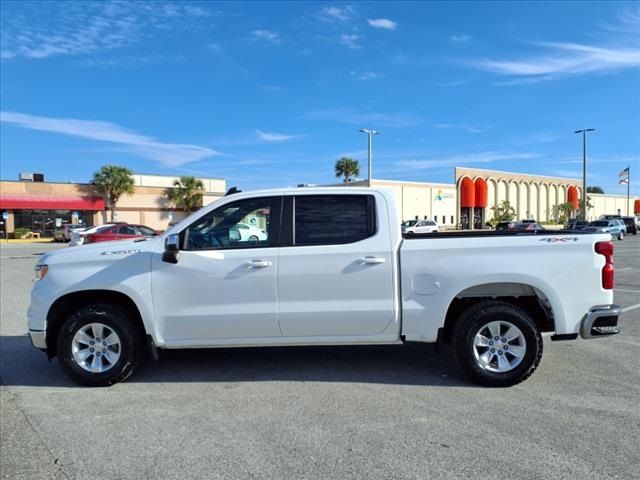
[(468, 202)]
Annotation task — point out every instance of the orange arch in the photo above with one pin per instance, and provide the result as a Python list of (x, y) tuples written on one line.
[(636, 207), (572, 197), (481, 192), (467, 193)]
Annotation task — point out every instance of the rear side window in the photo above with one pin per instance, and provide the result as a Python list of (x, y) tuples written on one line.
[(333, 219)]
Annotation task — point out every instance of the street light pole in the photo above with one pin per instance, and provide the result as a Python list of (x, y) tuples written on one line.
[(370, 133), (584, 169)]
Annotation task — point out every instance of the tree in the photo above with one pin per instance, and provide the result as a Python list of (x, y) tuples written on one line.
[(503, 212), (563, 212), (113, 181), (595, 189), (186, 193), (347, 167)]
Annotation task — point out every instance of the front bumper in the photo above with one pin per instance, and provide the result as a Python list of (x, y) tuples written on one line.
[(38, 339), (601, 321)]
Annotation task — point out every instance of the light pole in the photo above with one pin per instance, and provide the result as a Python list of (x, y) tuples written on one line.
[(584, 169), (370, 133)]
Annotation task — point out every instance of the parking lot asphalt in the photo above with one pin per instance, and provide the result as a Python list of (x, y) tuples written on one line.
[(321, 413)]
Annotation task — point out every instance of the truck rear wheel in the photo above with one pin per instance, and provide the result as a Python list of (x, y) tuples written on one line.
[(100, 345), (497, 344)]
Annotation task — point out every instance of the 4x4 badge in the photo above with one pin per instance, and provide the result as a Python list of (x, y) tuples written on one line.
[(559, 239)]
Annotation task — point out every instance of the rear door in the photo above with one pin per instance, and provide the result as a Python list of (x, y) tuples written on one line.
[(335, 274)]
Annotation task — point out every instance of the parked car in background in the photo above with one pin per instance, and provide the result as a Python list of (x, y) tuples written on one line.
[(632, 226), (248, 233), (528, 227), (506, 225), (120, 231), (78, 236), (615, 227), (419, 226), (64, 232), (576, 224)]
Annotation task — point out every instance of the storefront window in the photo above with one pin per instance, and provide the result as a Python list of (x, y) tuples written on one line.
[(44, 222)]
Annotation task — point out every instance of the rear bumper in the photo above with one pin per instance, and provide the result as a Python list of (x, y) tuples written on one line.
[(601, 321)]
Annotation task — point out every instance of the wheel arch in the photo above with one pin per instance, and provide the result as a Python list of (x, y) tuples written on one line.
[(71, 302), (531, 299)]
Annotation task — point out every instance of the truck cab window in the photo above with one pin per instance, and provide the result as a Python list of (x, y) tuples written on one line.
[(241, 224), (333, 219)]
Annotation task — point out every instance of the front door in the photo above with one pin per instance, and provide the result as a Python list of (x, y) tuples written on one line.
[(336, 279), (224, 285)]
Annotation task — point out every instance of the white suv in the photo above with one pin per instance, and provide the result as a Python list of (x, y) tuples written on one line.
[(412, 227)]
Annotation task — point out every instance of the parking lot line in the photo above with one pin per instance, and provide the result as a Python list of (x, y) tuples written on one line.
[(626, 291), (631, 307)]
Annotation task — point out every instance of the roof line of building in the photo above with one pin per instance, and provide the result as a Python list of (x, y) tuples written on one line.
[(521, 174)]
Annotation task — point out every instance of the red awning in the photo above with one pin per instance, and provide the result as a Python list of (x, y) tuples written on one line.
[(50, 202)]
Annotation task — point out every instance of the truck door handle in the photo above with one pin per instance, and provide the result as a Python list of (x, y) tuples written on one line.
[(258, 263), (372, 260)]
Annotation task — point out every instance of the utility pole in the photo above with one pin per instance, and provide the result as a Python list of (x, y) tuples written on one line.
[(370, 133), (584, 169)]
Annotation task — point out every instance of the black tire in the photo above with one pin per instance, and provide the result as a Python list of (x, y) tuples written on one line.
[(473, 320), (621, 236), (117, 319)]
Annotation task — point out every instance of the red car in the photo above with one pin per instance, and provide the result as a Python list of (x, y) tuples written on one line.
[(119, 231)]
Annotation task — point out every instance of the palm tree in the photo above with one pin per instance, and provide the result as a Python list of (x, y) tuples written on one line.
[(186, 193), (347, 167), (112, 181)]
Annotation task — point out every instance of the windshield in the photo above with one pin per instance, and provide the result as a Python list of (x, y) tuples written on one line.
[(600, 223), (409, 223)]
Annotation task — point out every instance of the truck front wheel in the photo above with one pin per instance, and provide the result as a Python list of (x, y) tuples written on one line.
[(100, 345), (497, 344)]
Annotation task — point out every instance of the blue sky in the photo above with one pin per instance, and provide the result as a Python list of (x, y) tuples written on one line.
[(271, 94)]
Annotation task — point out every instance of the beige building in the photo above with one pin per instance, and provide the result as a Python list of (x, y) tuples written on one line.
[(476, 191), (41, 206)]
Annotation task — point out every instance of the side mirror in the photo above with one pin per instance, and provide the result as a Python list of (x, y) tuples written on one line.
[(171, 248)]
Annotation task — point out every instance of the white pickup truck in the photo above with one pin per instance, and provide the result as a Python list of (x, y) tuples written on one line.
[(332, 268)]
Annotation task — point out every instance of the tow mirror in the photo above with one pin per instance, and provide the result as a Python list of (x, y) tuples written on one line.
[(171, 248)]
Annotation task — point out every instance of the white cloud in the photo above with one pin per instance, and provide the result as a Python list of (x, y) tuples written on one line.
[(215, 47), (68, 28), (342, 14), (267, 35), (271, 88), (460, 38), (365, 75), (463, 126), (452, 83), (170, 154), (366, 119), (350, 40), (383, 23), (562, 59), (463, 159), (274, 137)]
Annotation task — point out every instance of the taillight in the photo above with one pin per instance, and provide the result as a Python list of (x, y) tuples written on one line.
[(606, 249)]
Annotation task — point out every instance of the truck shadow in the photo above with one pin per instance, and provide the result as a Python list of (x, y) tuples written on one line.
[(412, 364)]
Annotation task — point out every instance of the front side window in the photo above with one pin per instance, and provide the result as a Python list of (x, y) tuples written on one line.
[(241, 224), (333, 219)]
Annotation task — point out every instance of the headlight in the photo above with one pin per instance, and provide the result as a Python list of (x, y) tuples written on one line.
[(41, 272)]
